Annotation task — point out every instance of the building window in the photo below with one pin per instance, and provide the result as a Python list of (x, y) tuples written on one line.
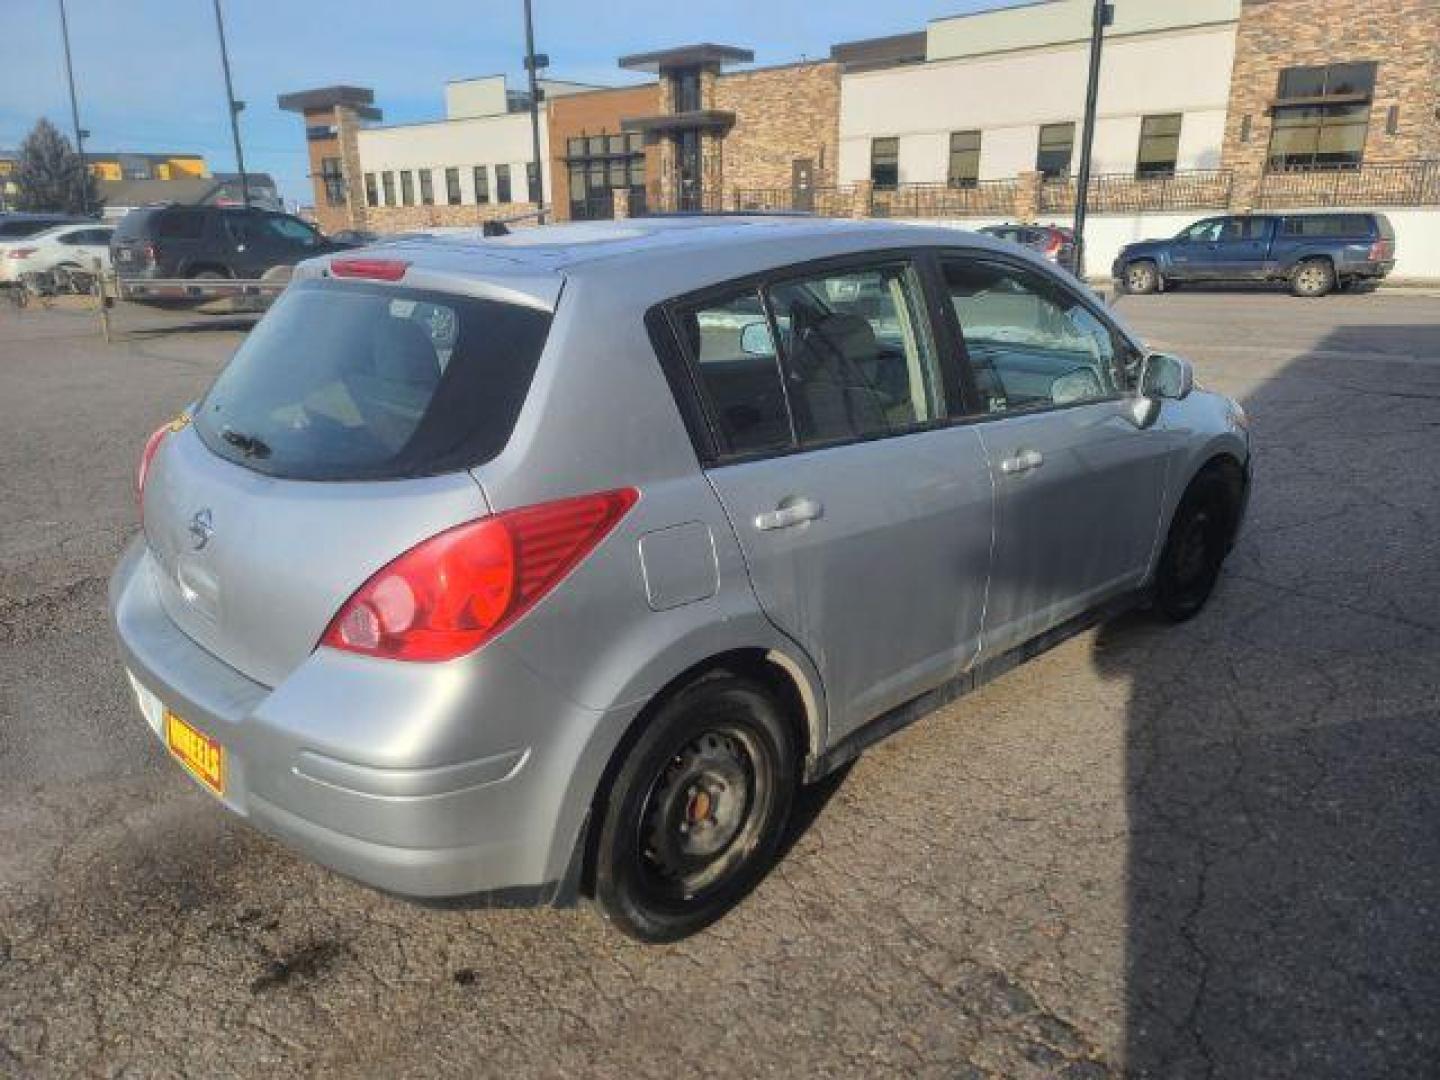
[(687, 90), (372, 196), (964, 159), (427, 187), (1159, 145), (599, 164), (452, 186), (482, 184), (407, 188), (884, 163), (502, 183), (333, 180), (1321, 117), (1052, 155), (387, 182), (532, 183)]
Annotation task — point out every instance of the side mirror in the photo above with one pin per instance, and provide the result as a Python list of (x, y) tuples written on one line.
[(1166, 377), (1162, 377), (755, 340)]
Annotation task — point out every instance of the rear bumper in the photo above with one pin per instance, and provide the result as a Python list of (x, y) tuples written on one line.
[(304, 763), (1369, 271)]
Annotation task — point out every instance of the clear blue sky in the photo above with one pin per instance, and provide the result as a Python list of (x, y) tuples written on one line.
[(148, 76)]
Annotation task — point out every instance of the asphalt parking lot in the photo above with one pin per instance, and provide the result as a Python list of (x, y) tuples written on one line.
[(1194, 851)]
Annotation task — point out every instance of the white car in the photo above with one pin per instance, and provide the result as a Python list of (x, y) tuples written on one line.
[(76, 245)]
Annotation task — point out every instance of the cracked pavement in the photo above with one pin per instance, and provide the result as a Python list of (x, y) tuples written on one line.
[(1211, 850)]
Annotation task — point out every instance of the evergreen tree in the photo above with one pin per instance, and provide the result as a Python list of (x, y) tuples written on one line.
[(49, 175)]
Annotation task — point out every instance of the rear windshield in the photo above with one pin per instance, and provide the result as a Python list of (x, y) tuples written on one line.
[(351, 381)]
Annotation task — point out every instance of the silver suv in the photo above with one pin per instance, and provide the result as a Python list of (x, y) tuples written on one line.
[(553, 565)]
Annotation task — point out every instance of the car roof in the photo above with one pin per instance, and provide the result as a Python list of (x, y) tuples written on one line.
[(643, 260)]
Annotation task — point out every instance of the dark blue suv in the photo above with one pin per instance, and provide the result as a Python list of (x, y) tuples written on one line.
[(1312, 253)]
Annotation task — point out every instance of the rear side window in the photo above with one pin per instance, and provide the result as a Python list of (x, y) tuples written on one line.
[(348, 381), (1321, 225), (180, 226)]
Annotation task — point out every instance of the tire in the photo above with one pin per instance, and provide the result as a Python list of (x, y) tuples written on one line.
[(697, 810), (1142, 278), (1312, 278), (1195, 548)]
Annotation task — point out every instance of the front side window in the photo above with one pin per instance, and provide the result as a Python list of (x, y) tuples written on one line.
[(1159, 145), (482, 184), (884, 163), (407, 188), (1054, 149), (964, 158), (427, 187), (502, 183), (290, 231), (857, 354), (452, 186), (1031, 343), (1203, 232)]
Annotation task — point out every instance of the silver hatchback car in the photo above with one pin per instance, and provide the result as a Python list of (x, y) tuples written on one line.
[(554, 564)]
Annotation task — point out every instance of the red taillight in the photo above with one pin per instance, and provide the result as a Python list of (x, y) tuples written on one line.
[(21, 253), (376, 269), (152, 446), (149, 250), (1053, 245), (451, 594), (1382, 251)]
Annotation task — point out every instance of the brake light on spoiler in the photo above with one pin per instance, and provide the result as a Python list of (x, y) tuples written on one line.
[(371, 269)]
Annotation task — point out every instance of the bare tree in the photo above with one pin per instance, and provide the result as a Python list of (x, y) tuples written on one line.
[(49, 174)]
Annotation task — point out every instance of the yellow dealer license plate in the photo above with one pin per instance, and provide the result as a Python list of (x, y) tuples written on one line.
[(198, 752)]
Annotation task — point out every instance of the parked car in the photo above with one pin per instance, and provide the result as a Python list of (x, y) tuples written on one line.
[(1055, 244), (20, 224), (1312, 253), (74, 247), (556, 563), (211, 242)]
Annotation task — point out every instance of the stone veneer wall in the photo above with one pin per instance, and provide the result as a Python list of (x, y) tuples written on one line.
[(1402, 36), (781, 113), (391, 219)]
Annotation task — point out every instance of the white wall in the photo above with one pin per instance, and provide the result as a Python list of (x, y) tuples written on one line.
[(489, 141), (1035, 25), (1008, 96), (484, 96)]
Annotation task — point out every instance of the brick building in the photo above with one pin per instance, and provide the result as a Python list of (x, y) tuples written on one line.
[(1322, 87), (592, 156), (333, 116)]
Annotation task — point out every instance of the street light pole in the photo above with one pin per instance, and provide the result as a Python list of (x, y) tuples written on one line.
[(75, 114), (1103, 14), (235, 107), (530, 66)]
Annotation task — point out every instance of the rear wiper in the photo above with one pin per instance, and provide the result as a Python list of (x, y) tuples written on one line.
[(249, 445)]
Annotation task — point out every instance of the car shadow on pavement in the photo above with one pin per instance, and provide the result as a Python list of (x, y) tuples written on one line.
[(1283, 748)]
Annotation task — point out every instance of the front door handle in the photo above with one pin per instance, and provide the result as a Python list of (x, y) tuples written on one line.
[(789, 513), (1022, 462)]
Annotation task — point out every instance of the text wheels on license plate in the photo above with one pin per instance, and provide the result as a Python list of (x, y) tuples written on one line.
[(202, 756)]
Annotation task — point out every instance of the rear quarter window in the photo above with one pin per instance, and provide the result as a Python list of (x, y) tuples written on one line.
[(180, 226), (348, 381)]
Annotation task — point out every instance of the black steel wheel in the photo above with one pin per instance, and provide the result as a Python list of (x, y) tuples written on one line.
[(1195, 549), (697, 810)]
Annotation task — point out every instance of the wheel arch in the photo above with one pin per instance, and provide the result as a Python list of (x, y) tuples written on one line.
[(794, 683)]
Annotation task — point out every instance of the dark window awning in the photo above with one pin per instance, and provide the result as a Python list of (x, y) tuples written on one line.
[(699, 119)]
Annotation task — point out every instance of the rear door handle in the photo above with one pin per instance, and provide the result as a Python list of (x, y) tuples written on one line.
[(1022, 462), (789, 513)]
